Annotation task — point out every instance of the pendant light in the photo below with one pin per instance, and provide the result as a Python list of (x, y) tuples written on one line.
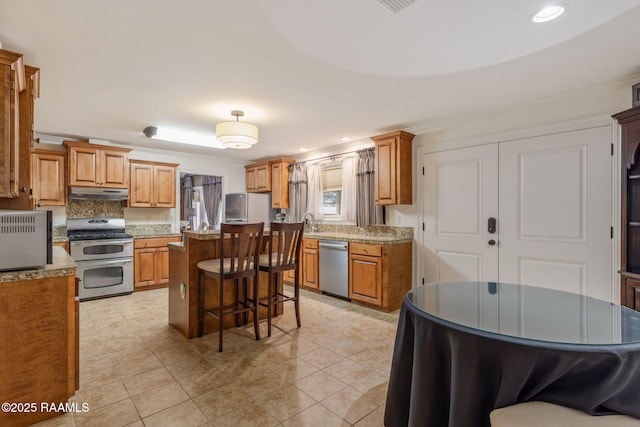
[(240, 135)]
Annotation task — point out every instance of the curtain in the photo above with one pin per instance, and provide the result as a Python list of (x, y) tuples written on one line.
[(187, 194), (212, 197), (367, 212), (314, 190), (349, 184), (297, 191)]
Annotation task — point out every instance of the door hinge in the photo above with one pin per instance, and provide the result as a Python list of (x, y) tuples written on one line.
[(423, 226), (423, 280), (612, 149), (423, 170), (11, 86), (611, 232)]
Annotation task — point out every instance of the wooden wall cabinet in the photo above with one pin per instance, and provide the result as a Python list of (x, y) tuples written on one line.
[(258, 177), (280, 183), (20, 86), (151, 262), (393, 168), (152, 184), (48, 177), (379, 275), (310, 264), (92, 165), (629, 121)]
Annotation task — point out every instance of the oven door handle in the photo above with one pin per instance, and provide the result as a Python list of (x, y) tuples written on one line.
[(120, 261), (101, 242)]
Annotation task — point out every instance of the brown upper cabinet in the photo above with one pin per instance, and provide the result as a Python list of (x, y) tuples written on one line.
[(153, 184), (92, 165), (258, 177), (393, 168), (629, 121), (47, 178), (20, 86), (280, 183)]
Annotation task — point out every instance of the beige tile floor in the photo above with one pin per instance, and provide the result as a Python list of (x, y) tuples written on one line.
[(136, 370)]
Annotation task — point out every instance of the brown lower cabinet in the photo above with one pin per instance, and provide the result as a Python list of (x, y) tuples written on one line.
[(38, 347), (379, 275), (151, 262), (63, 245), (630, 291), (310, 264)]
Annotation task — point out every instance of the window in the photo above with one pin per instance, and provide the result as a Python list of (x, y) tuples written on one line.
[(331, 188)]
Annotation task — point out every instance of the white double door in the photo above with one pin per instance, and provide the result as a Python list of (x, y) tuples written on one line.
[(551, 199)]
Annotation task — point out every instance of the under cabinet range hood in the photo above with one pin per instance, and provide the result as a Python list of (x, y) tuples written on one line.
[(95, 193)]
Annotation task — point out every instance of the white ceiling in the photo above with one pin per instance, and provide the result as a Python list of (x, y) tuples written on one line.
[(307, 72)]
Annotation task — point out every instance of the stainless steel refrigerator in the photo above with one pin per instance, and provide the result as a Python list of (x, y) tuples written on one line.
[(248, 208)]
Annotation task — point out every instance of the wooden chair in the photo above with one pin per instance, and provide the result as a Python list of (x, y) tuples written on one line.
[(239, 249), (283, 253)]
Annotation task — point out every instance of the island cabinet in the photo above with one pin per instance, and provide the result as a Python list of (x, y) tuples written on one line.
[(258, 177), (92, 165), (152, 184), (393, 168), (184, 284), (151, 262), (379, 274), (48, 177), (310, 264), (280, 183), (39, 354), (20, 86), (629, 121)]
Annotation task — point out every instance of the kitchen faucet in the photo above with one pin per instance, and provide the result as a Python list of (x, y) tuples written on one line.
[(313, 220)]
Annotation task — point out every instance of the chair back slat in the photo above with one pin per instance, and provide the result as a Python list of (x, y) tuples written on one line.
[(285, 241), (240, 247)]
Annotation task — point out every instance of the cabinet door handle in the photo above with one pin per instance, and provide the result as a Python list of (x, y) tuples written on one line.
[(364, 262)]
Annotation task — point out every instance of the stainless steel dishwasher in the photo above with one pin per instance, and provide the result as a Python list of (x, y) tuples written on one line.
[(334, 267)]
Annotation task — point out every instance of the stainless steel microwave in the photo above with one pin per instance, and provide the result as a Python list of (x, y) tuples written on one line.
[(25, 239)]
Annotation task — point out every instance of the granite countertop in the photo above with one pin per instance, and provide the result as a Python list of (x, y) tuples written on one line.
[(357, 238), (371, 234), (154, 235), (63, 265)]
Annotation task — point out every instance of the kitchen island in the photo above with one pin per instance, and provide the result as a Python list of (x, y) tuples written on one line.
[(38, 339), (184, 283)]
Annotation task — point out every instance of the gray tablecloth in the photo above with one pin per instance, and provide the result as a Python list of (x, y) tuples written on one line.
[(444, 374)]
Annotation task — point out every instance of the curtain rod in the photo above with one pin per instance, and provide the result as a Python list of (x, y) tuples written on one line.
[(334, 156)]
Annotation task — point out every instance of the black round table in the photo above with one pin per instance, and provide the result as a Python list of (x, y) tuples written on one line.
[(463, 349)]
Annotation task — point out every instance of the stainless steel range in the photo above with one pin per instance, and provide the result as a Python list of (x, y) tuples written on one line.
[(104, 254)]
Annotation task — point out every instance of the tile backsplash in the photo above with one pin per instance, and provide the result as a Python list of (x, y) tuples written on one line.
[(95, 209)]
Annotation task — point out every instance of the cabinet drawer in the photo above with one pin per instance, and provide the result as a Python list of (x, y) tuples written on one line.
[(154, 242), (365, 249), (310, 243)]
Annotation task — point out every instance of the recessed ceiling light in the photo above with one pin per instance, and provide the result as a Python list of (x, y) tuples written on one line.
[(548, 13), (302, 150), (345, 139)]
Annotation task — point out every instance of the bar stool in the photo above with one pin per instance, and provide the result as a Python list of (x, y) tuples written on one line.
[(239, 248), (283, 254)]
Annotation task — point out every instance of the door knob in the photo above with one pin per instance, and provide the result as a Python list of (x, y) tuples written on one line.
[(492, 242)]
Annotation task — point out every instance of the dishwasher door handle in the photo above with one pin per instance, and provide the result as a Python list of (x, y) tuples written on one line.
[(332, 246)]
